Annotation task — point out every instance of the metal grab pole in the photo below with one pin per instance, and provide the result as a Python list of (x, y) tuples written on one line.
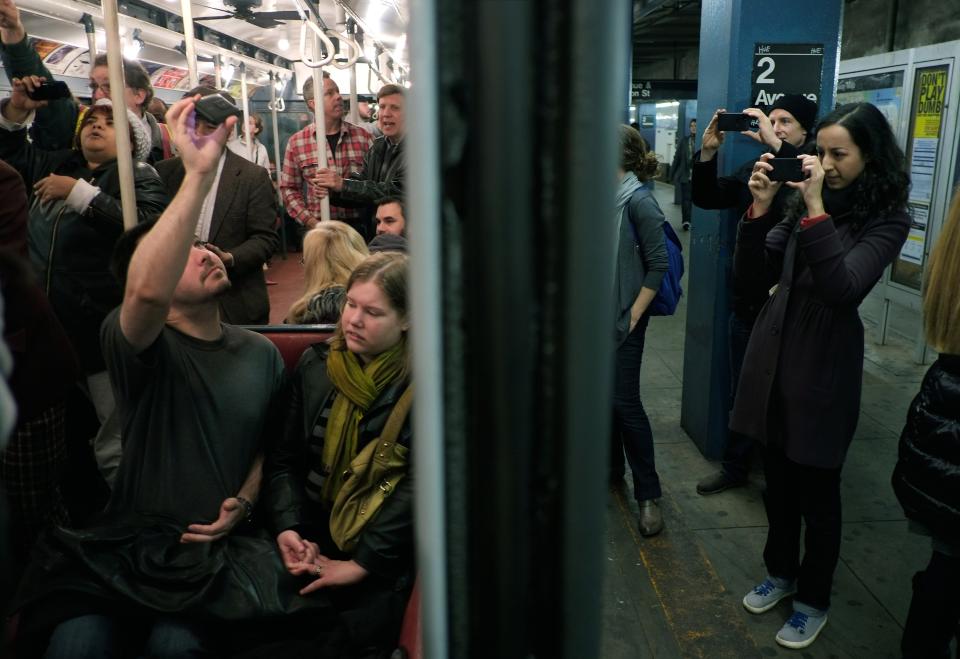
[(429, 350), (121, 125), (321, 125), (245, 102), (189, 49), (91, 33), (278, 164), (217, 71)]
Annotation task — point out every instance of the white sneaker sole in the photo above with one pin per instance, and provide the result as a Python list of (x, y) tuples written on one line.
[(799, 645), (770, 605)]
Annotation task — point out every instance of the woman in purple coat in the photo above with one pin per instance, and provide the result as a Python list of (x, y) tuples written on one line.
[(799, 390)]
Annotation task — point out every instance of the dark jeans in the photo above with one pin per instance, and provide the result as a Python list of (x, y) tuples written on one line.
[(934, 609), (686, 199), (100, 636), (796, 491), (631, 427), (739, 451)]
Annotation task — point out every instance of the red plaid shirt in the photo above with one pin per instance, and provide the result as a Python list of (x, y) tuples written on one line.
[(300, 163)]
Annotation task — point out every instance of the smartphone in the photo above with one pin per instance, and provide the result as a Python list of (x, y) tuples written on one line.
[(214, 109), (786, 169), (50, 90), (735, 121)]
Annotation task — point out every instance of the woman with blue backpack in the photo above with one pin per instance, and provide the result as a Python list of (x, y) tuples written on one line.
[(641, 262)]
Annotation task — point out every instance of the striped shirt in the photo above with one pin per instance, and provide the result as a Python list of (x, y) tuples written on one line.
[(300, 164)]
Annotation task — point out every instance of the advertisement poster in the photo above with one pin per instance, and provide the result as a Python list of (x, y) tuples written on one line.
[(45, 47), (929, 94), (912, 250), (59, 60)]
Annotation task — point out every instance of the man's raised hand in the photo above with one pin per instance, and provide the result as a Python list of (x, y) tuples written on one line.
[(200, 153)]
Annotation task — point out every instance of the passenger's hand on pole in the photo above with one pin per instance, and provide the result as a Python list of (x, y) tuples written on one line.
[(53, 187), (11, 28), (200, 154), (329, 572), (19, 107), (761, 187), (812, 187), (226, 257), (318, 189), (232, 513), (712, 138), (764, 133), (328, 178)]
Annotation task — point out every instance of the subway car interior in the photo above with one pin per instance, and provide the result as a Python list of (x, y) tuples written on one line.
[(788, 485)]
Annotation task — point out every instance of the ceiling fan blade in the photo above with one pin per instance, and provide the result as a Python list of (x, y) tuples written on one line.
[(264, 23), (212, 18), (279, 15)]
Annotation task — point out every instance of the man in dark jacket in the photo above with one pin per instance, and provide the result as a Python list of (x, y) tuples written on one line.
[(237, 224), (384, 166), (681, 172), (786, 131)]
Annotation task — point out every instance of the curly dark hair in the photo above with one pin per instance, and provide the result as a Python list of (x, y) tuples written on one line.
[(883, 186), (635, 155)]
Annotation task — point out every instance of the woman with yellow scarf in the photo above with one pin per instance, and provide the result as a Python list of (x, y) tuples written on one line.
[(339, 484)]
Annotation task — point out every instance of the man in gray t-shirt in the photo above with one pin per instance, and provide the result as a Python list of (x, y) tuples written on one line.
[(195, 398)]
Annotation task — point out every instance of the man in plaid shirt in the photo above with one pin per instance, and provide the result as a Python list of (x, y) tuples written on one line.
[(346, 146)]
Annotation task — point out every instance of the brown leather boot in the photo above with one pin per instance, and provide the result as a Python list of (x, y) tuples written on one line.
[(651, 519)]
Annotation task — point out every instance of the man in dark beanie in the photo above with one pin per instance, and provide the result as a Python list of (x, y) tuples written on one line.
[(787, 132)]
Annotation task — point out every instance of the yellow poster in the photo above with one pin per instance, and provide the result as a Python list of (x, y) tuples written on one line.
[(931, 92)]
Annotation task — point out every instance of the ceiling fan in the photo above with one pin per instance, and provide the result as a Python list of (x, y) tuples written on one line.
[(243, 11)]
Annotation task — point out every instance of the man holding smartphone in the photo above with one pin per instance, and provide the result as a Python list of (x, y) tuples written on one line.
[(787, 132)]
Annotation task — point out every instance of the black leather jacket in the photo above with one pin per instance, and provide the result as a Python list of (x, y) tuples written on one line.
[(71, 251), (384, 169), (927, 476), (385, 547)]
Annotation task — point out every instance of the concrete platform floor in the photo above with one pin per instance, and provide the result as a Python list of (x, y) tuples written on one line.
[(678, 595)]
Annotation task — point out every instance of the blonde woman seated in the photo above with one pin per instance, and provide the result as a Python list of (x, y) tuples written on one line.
[(331, 251)]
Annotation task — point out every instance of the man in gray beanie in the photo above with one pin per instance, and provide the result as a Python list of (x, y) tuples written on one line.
[(787, 131)]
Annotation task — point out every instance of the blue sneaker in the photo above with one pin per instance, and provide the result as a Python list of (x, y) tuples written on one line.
[(765, 596), (801, 630)]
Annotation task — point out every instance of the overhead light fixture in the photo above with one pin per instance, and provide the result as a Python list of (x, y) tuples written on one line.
[(669, 104), (132, 48), (283, 44)]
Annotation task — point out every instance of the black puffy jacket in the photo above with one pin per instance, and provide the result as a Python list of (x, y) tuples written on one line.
[(927, 476), (71, 251)]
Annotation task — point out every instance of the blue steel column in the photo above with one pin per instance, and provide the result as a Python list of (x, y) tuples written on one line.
[(731, 28)]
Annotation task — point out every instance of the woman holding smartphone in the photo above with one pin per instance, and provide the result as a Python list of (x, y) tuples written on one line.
[(799, 390)]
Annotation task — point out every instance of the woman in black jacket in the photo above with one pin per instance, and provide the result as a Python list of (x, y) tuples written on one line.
[(927, 475), (799, 390), (640, 266), (342, 399)]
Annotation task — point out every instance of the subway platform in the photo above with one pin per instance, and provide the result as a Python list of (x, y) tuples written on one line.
[(678, 594)]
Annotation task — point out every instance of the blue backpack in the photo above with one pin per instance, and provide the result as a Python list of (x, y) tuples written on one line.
[(668, 296)]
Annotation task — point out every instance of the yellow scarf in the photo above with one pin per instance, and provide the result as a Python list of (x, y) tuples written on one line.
[(358, 387)]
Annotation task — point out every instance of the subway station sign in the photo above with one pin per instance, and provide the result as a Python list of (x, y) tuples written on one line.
[(785, 68)]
